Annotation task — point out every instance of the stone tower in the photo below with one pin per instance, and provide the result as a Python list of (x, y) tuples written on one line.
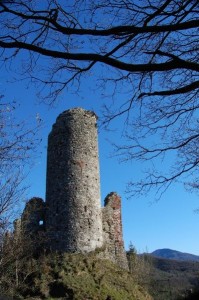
[(73, 211), (72, 219)]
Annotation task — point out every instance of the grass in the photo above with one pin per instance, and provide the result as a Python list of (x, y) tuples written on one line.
[(76, 277)]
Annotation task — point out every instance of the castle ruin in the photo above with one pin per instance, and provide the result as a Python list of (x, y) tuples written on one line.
[(71, 216)]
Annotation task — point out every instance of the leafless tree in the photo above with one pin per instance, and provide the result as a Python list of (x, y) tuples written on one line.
[(145, 52), (17, 143), (17, 258)]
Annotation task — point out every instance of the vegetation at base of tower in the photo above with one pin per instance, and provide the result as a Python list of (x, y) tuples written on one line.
[(69, 276), (27, 275), (141, 54)]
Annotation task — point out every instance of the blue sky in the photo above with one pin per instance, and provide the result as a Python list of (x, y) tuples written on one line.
[(149, 225)]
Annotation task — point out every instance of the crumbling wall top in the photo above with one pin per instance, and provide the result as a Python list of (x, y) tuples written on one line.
[(34, 203), (113, 200), (33, 216), (77, 111)]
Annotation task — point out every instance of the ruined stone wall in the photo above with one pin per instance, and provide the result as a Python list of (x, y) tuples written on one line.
[(33, 217), (30, 229), (73, 216), (112, 229)]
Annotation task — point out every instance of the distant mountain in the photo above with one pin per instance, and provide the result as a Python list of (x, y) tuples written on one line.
[(176, 255), (172, 279)]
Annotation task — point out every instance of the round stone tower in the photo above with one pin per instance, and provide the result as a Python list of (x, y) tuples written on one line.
[(73, 213)]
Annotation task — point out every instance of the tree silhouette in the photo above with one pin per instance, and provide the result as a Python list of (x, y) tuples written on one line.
[(17, 143), (145, 50)]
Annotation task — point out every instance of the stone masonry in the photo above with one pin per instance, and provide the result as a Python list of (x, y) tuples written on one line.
[(33, 217), (112, 229), (72, 217)]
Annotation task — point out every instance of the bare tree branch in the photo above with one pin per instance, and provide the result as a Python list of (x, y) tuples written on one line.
[(146, 51)]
